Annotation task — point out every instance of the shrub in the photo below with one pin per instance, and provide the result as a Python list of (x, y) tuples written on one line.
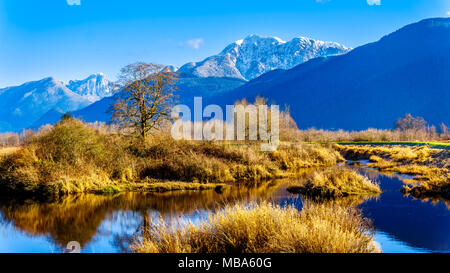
[(71, 142)]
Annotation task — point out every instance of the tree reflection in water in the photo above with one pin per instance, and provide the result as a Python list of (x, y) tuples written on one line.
[(78, 217)]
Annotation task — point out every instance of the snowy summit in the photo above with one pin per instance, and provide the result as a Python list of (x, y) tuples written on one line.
[(93, 88), (253, 56)]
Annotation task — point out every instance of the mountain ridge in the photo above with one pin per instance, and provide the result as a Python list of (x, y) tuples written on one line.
[(255, 55), (94, 87), (26, 103)]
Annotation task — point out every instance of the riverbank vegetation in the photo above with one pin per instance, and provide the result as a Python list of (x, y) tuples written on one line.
[(7, 151), (428, 167), (429, 189), (73, 157), (407, 129), (264, 228), (423, 136), (335, 182)]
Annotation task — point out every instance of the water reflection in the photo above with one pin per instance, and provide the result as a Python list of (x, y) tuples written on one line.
[(86, 218), (419, 223), (108, 224)]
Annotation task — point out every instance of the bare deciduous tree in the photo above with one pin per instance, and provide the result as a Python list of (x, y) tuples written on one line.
[(444, 129), (146, 94), (408, 122), (9, 139)]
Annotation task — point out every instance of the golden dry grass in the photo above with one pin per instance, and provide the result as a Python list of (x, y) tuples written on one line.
[(7, 151), (336, 182), (230, 162), (433, 188), (264, 228), (72, 157), (104, 185), (397, 153), (369, 135), (429, 167)]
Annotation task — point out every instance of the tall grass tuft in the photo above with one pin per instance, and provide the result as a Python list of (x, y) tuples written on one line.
[(336, 182), (264, 228)]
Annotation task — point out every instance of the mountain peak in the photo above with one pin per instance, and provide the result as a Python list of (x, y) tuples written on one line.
[(433, 30), (170, 68), (426, 25), (255, 38), (434, 22), (97, 75), (48, 80), (255, 55), (94, 87)]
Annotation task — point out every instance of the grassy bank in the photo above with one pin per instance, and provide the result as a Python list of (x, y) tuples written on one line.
[(72, 157), (418, 136), (264, 228), (429, 189), (335, 182), (7, 151), (432, 144), (428, 167)]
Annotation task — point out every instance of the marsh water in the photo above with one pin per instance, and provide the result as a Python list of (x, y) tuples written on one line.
[(108, 224)]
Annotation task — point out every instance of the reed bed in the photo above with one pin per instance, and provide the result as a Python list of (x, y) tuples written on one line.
[(264, 228), (335, 182), (428, 167), (73, 157)]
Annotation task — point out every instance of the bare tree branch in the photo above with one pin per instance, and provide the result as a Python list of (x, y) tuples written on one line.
[(146, 95)]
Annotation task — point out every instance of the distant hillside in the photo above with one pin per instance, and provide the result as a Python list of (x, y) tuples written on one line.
[(21, 106), (407, 71)]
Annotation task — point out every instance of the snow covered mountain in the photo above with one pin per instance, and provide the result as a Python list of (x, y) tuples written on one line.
[(253, 56), (21, 106), (93, 88)]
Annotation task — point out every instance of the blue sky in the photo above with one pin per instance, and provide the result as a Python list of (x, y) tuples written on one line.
[(70, 39)]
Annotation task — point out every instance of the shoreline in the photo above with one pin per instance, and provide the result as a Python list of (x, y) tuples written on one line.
[(103, 185)]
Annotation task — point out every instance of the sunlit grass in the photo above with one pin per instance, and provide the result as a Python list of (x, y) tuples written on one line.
[(429, 167), (73, 157), (7, 151), (336, 182), (371, 135), (264, 228)]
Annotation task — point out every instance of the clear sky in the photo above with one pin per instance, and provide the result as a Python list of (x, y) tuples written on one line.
[(71, 39)]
